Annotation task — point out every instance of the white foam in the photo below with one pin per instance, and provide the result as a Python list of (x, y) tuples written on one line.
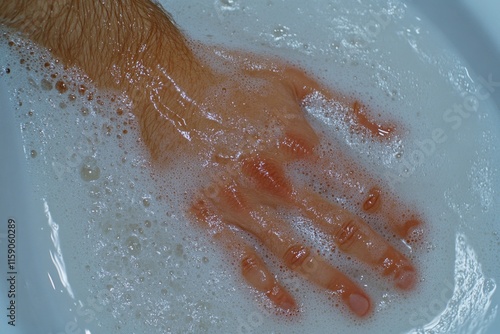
[(137, 265)]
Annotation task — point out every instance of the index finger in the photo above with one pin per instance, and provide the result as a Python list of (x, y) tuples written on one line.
[(358, 114)]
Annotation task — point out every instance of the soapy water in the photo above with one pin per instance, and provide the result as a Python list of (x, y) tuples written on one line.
[(135, 263)]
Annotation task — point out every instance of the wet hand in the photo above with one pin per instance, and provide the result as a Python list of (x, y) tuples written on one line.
[(240, 116), (243, 120)]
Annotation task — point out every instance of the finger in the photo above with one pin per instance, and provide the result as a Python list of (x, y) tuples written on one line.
[(237, 208), (316, 270), (354, 237), (253, 268), (278, 238), (362, 121), (346, 177), (259, 277), (351, 234), (268, 175)]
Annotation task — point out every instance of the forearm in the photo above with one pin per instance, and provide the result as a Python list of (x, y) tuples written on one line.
[(118, 44)]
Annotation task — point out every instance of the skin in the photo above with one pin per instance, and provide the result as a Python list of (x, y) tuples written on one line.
[(240, 115)]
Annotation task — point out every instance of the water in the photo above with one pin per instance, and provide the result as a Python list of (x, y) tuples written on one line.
[(136, 265)]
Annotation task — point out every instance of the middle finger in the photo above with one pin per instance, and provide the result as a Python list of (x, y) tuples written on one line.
[(355, 237)]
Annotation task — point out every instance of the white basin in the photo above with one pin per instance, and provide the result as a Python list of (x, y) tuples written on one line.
[(44, 299)]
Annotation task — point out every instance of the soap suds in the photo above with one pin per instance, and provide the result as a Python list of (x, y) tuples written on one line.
[(137, 265)]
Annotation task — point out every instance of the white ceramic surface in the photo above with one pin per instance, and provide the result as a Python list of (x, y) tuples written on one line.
[(42, 297), (474, 29)]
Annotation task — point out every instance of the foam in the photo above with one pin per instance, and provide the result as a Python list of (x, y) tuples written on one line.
[(137, 265)]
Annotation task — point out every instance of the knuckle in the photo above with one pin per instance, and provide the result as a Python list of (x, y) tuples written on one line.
[(281, 297), (372, 202), (295, 256), (347, 234), (249, 264), (277, 293), (255, 273), (297, 146)]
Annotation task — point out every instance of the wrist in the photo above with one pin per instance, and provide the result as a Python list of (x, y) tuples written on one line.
[(172, 73), (125, 45), (169, 105)]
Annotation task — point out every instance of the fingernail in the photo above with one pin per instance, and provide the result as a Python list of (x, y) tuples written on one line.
[(406, 280), (359, 304)]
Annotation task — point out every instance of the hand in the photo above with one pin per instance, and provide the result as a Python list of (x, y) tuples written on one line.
[(241, 116), (245, 124)]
